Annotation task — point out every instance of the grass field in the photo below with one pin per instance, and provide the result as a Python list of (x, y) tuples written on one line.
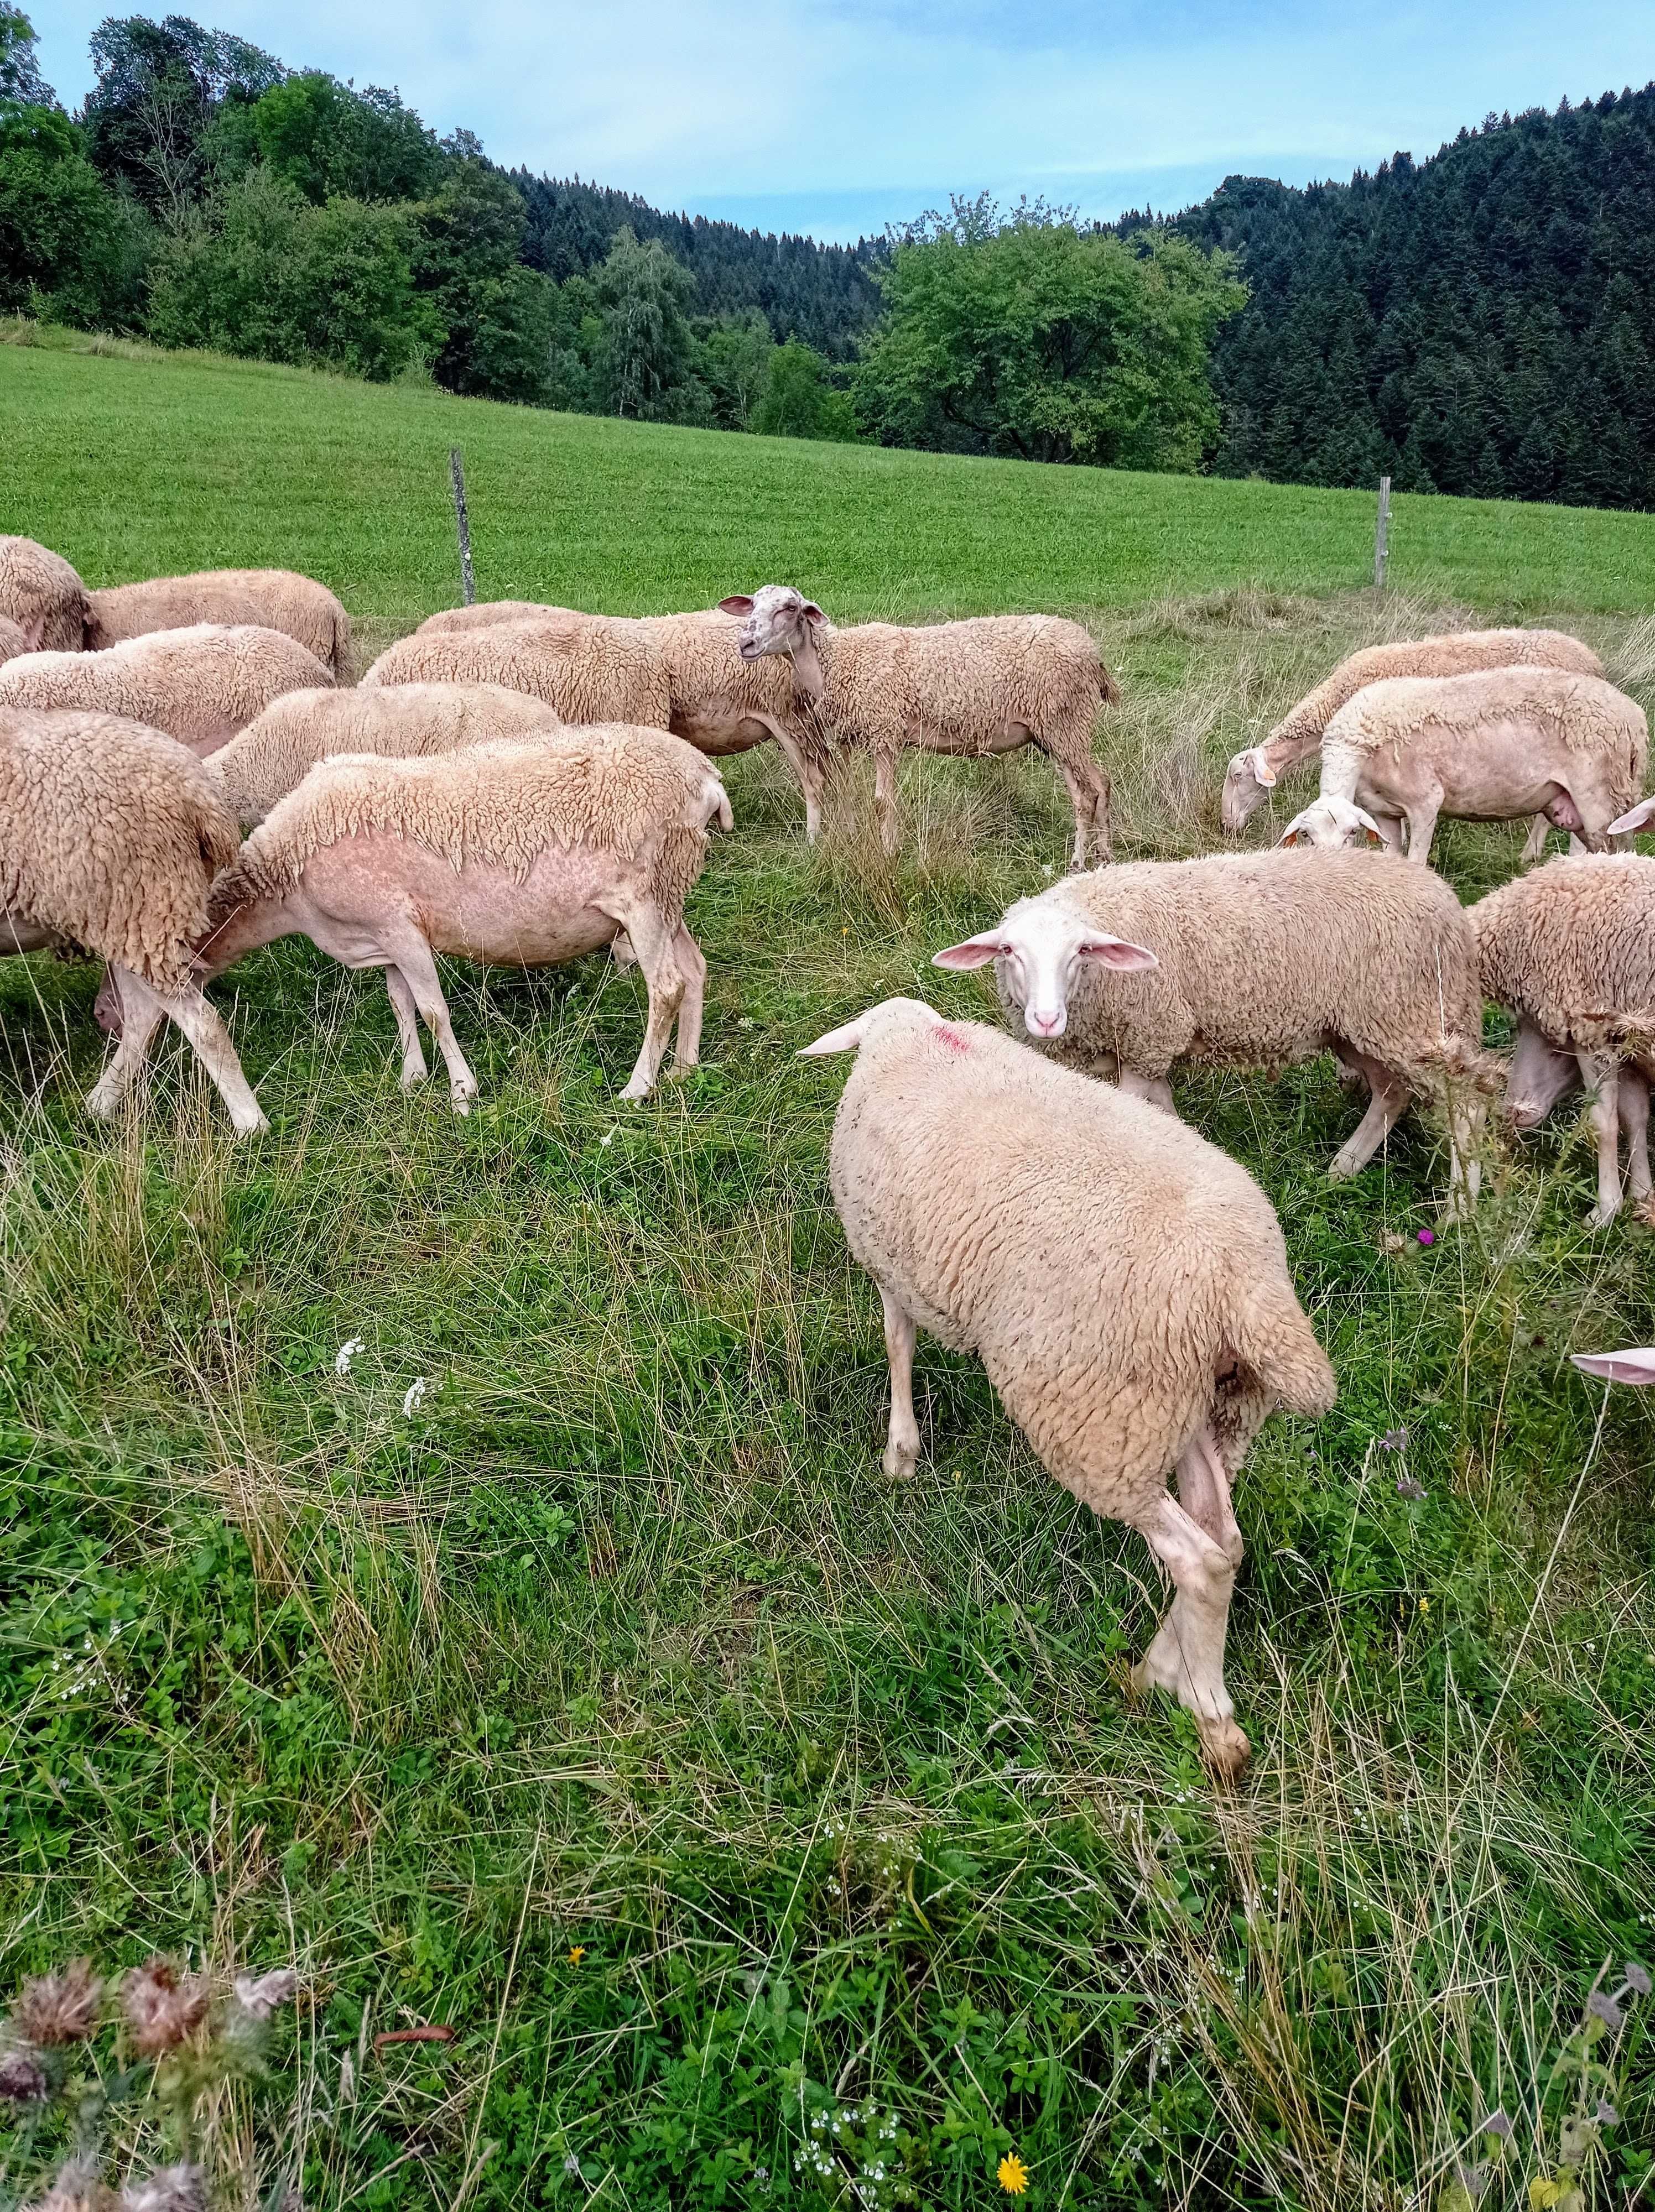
[(768, 1834)]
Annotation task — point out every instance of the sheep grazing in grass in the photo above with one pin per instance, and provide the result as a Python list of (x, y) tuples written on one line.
[(1487, 748), (587, 671), (972, 689), (1570, 951), (1260, 960), (199, 685), (1254, 771), (110, 836), (273, 754), (42, 594), (13, 639), (1124, 1283), (255, 598), (522, 853)]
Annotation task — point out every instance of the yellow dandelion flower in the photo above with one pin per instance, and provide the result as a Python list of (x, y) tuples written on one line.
[(1014, 2175), (576, 1952), (1425, 1605)]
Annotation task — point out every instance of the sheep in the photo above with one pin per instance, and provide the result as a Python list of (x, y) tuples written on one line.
[(1485, 748), (110, 834), (1570, 951), (1254, 771), (199, 685), (1256, 959), (1123, 1282), (484, 613), (257, 598), (276, 751), (526, 854), (986, 686), (587, 670), (42, 594), (14, 639)]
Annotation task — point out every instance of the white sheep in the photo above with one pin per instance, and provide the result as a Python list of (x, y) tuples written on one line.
[(1123, 1282), (1570, 950), (199, 685), (483, 614), (524, 853), (1487, 748), (1256, 959), (1255, 770), (110, 835), (42, 594), (972, 689), (256, 598), (277, 750), (586, 670)]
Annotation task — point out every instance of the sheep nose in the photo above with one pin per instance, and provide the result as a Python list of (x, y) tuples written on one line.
[(1044, 1024)]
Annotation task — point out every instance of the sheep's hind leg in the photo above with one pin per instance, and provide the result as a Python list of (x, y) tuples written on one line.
[(691, 963), (137, 1014), (1634, 1098), (413, 1069), (1187, 1655), (1387, 1104), (884, 803), (1534, 845), (141, 1008), (407, 950), (663, 980), (1601, 1079), (1083, 798), (902, 1449)]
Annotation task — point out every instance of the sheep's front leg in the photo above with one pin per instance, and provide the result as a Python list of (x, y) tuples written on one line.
[(1422, 828), (141, 1008), (1387, 1104), (1534, 845), (407, 950), (1154, 1089), (885, 802), (1633, 1097), (1187, 1655), (902, 1449), (402, 1005), (808, 776), (1601, 1079), (663, 981)]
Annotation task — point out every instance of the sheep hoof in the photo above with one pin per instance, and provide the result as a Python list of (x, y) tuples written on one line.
[(638, 1091), (1601, 1216), (1343, 1168), (899, 1463), (104, 1099), (1225, 1748), (461, 1100), (250, 1125)]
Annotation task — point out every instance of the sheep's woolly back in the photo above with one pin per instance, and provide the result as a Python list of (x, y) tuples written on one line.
[(1460, 652), (1104, 1260), (588, 670), (486, 612), (189, 683), (964, 680), (262, 598), (12, 640), (1265, 956), (110, 835), (638, 793), (1572, 945), (41, 593), (1589, 717), (274, 754)]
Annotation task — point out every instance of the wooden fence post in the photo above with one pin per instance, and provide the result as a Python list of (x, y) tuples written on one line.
[(467, 581), (1381, 535)]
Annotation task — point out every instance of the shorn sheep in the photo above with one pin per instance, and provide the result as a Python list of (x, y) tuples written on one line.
[(199, 685), (1256, 959), (585, 671), (42, 594), (1124, 1283), (971, 689), (1485, 748), (110, 836), (1254, 771), (524, 853), (258, 598), (273, 754), (1570, 950)]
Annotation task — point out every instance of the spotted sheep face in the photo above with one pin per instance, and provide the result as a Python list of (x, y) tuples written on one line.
[(1044, 949), (776, 618)]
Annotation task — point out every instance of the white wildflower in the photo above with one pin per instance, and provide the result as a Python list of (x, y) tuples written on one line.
[(412, 1395), (346, 1353)]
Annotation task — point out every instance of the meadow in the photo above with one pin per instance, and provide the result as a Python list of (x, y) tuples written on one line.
[(767, 1832)]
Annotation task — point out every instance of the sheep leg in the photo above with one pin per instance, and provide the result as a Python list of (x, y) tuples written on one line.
[(1187, 1655), (1423, 828), (902, 1449), (1390, 828), (135, 1021), (1204, 1493), (1083, 798), (141, 1008), (1466, 1113), (808, 776), (1155, 1089), (408, 951), (885, 802), (1534, 845), (663, 980), (1601, 1079), (1387, 1104), (692, 966), (402, 1005), (1634, 1093)]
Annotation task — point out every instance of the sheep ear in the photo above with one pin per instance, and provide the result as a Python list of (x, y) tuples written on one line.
[(1297, 830), (1116, 952), (1637, 818), (975, 952), (812, 614), (739, 603), (1262, 772), (1635, 1366), (846, 1038), (1367, 823)]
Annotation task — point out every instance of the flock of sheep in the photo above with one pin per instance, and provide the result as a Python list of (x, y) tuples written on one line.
[(524, 784)]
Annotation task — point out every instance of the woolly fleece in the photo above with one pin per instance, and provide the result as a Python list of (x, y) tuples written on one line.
[(1460, 652), (261, 598), (1572, 945), (189, 683), (588, 672), (37, 585)]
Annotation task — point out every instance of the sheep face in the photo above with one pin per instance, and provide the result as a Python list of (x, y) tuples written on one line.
[(1539, 1075), (1246, 780), (1044, 946), (1330, 824), (776, 618)]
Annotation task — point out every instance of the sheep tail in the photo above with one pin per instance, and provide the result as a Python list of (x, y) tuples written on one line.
[(1108, 689), (1274, 1341)]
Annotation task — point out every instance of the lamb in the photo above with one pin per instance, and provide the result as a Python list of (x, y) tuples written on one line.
[(1570, 950), (587, 671), (42, 594), (526, 854), (977, 688), (274, 753), (110, 835), (1256, 959), (1254, 771), (257, 599), (1123, 1282), (1485, 748), (200, 685)]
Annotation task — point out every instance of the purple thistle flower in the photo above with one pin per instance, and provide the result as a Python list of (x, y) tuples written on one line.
[(1497, 2124), (163, 2006), (1603, 2006), (57, 2008), (1394, 1440), (1408, 1487), (1427, 1236), (1637, 1978)]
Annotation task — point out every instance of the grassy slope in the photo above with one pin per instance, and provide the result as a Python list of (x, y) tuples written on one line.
[(620, 1643)]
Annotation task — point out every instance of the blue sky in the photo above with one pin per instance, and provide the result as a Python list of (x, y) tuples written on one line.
[(837, 116)]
